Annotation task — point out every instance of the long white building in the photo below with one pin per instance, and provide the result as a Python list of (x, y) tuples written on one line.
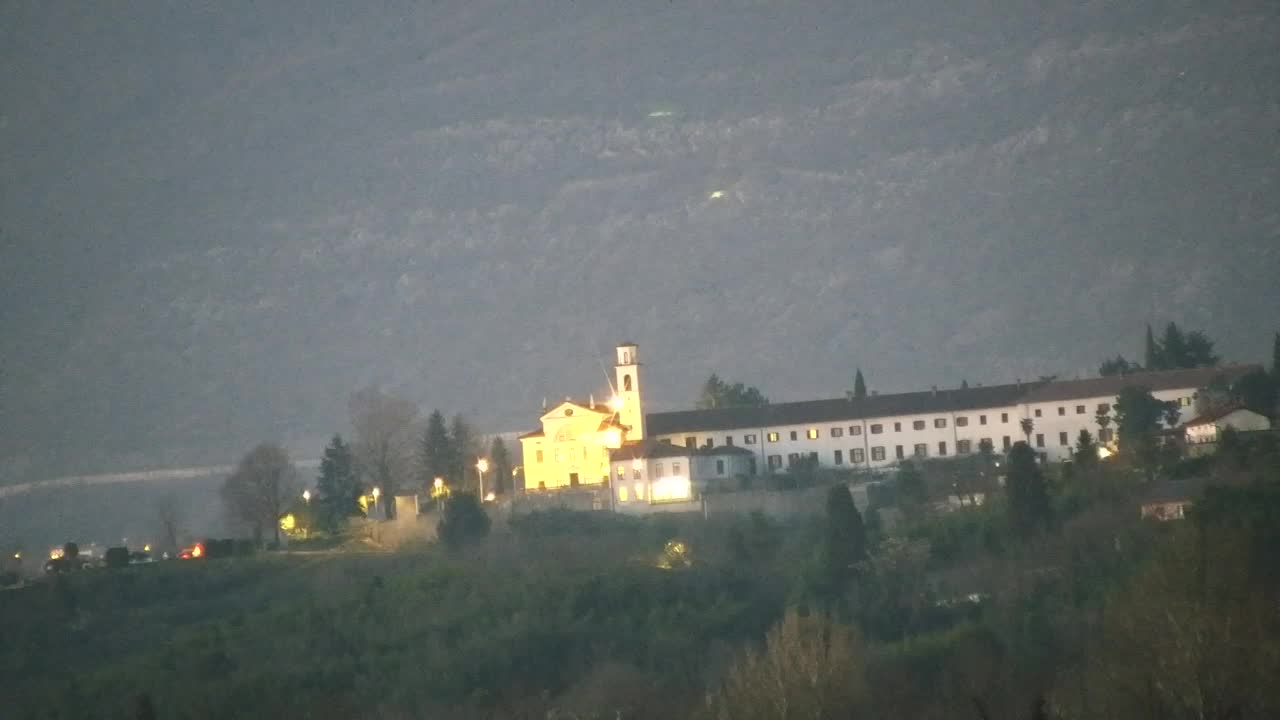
[(880, 430)]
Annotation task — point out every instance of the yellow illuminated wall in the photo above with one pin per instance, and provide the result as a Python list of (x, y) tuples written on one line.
[(573, 444)]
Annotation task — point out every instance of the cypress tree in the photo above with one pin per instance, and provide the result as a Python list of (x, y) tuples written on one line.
[(435, 450), (860, 385), (464, 450), (1151, 353), (1173, 348), (1029, 508), (500, 461), (845, 543), (337, 484)]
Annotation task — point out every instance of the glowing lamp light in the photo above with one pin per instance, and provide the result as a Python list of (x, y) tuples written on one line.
[(615, 403), (306, 495), (482, 465), (197, 551), (490, 497), (1104, 452), (288, 522), (146, 548), (437, 483), (377, 492), (17, 556)]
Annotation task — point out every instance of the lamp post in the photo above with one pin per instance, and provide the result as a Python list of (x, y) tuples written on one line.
[(481, 466), (376, 493)]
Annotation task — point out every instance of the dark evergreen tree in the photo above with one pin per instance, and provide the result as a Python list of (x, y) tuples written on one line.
[(338, 486), (719, 394), (1173, 348), (1086, 454), (860, 385), (500, 465), (435, 451), (1117, 366), (1029, 507), (1198, 351), (1151, 356), (1257, 391), (466, 451), (912, 491), (1138, 418), (463, 520), (845, 543)]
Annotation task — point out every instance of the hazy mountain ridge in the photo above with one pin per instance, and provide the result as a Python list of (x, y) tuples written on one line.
[(467, 205)]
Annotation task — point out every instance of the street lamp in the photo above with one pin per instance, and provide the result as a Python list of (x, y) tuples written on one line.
[(482, 465), (376, 493), (306, 496)]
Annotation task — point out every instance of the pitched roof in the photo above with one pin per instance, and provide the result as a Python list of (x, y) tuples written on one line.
[(721, 450), (837, 409), (1216, 415), (1153, 380), (649, 448), (531, 434)]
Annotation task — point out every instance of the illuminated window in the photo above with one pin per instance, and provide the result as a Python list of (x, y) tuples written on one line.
[(856, 455), (921, 450), (855, 429), (748, 439), (622, 493), (877, 453), (964, 447), (837, 432), (671, 489), (538, 455), (877, 429), (939, 422), (813, 433), (962, 422), (942, 449), (917, 425), (773, 437), (839, 457)]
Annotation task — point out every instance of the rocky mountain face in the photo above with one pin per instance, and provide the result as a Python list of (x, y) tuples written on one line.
[(218, 222)]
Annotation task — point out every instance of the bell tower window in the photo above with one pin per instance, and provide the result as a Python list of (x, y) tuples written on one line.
[(626, 383)]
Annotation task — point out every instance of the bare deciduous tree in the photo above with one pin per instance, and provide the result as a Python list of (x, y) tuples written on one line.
[(262, 485), (384, 437)]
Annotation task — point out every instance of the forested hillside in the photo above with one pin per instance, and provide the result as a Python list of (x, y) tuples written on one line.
[(217, 222)]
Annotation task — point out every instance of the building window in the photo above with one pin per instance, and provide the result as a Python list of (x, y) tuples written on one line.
[(877, 453), (773, 437), (635, 475), (1104, 408), (1037, 412), (1062, 439), (559, 455), (626, 383), (857, 456), (839, 457), (775, 462), (877, 429), (1004, 417), (1039, 439), (711, 443), (719, 467), (691, 441), (1005, 443), (1062, 410), (964, 447), (795, 435), (573, 480), (982, 419), (1079, 409), (899, 452), (897, 427), (855, 429), (792, 459), (939, 422), (1185, 402), (657, 470), (748, 439), (813, 433), (942, 449), (962, 422), (917, 425), (675, 469), (728, 440), (837, 432), (921, 450), (622, 493), (639, 488), (538, 455)]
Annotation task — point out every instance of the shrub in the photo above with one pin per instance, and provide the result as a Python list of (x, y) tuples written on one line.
[(117, 557)]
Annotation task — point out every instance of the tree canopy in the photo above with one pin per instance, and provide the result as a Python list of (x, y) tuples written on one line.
[(717, 393), (1029, 508), (262, 486)]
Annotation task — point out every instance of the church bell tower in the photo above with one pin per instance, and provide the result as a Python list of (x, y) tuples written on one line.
[(626, 401)]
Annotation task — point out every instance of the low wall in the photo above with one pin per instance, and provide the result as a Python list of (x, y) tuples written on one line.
[(579, 500), (778, 504)]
